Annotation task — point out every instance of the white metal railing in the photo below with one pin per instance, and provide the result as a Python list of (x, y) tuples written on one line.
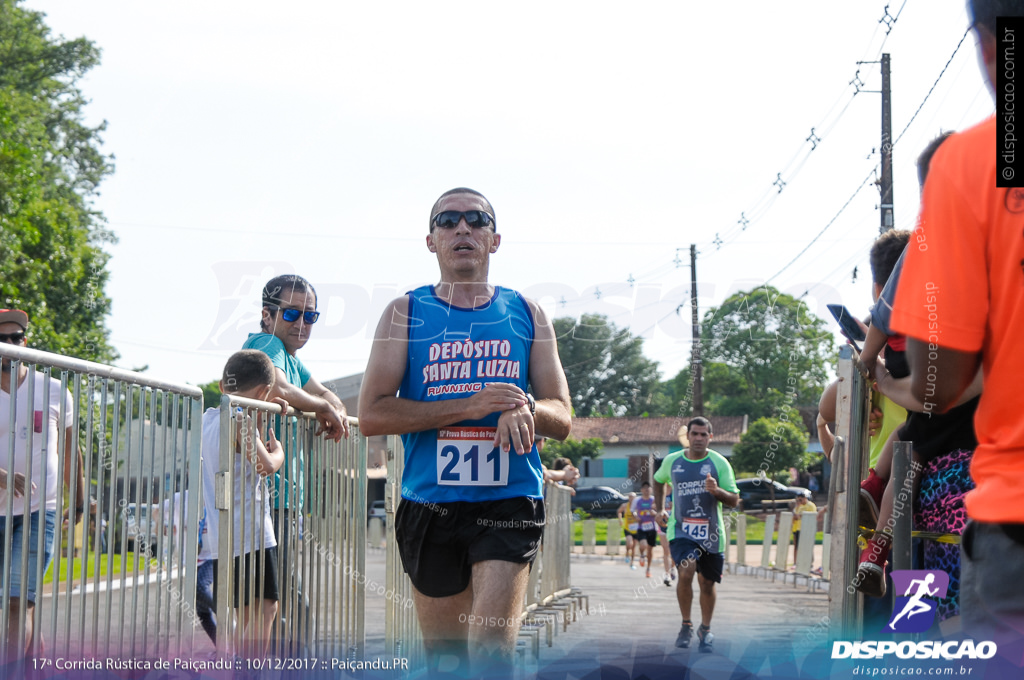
[(320, 511), (123, 583), (117, 590)]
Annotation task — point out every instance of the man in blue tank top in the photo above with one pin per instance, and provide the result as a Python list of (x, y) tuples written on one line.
[(463, 357)]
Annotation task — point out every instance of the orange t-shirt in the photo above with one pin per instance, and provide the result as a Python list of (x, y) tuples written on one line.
[(963, 288)]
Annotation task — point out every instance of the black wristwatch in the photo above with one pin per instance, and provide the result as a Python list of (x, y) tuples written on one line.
[(532, 403)]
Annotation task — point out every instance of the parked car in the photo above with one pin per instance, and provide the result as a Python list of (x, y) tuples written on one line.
[(756, 494), (141, 523), (377, 510), (598, 501)]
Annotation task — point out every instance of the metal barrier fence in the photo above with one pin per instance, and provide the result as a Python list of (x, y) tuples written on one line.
[(849, 466), (402, 636), (319, 519), (557, 542), (117, 589), (122, 584)]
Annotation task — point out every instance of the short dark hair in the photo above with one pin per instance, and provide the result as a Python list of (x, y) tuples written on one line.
[(460, 190), (924, 161), (560, 463), (885, 251), (700, 421), (984, 12), (246, 369), (645, 484), (282, 285)]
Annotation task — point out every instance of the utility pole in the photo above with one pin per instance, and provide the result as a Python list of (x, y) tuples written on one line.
[(695, 362), (885, 183)]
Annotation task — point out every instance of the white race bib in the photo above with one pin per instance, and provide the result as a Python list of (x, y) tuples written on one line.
[(696, 528), (466, 456)]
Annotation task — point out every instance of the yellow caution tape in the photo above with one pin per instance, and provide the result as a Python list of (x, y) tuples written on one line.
[(953, 539)]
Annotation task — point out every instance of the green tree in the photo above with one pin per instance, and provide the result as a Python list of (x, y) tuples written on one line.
[(771, 445), (51, 259), (211, 394), (763, 352), (573, 449), (605, 367)]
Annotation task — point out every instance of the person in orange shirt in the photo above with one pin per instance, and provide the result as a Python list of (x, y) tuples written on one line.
[(961, 303)]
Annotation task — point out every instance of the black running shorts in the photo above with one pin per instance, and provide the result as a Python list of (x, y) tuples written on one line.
[(440, 542), (266, 576)]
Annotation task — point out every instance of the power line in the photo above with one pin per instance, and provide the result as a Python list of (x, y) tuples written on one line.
[(826, 227), (813, 140), (932, 89)]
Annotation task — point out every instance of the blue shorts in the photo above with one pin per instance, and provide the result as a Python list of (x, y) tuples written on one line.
[(17, 536), (709, 564)]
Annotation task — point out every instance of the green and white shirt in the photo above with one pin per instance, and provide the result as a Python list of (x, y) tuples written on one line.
[(696, 514)]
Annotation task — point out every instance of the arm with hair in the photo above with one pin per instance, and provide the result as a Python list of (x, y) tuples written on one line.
[(381, 411), (18, 484), (73, 462), (268, 457), (316, 389), (550, 390), (873, 345), (951, 374), (331, 422), (826, 415)]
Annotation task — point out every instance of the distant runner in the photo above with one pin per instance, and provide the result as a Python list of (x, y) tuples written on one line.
[(629, 527), (647, 516), (700, 482)]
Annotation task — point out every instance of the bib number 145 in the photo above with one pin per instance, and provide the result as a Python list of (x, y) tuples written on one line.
[(466, 456)]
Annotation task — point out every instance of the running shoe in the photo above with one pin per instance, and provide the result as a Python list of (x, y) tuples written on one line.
[(667, 580), (871, 490), (871, 579), (633, 567), (683, 639), (706, 640), (648, 574), (871, 570), (626, 559), (674, 573), (643, 560)]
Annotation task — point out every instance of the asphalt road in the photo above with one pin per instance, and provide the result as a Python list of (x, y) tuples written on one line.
[(633, 621)]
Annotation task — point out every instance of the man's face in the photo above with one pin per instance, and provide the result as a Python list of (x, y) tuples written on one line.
[(293, 334), (645, 491), (7, 330), (699, 438), (463, 249)]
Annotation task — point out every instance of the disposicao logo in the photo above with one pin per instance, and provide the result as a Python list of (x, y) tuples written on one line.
[(926, 649), (914, 611)]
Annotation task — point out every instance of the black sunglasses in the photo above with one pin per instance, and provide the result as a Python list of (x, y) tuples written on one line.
[(15, 337), (449, 219), (291, 315)]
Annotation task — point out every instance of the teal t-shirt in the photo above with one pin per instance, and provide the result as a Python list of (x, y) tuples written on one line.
[(696, 514), (297, 375), (272, 346)]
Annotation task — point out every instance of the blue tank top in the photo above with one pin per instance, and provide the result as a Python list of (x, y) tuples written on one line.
[(453, 353)]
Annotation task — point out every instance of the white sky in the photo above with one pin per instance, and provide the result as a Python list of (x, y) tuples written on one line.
[(256, 138)]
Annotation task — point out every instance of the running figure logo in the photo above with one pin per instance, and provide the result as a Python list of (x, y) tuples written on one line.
[(914, 612)]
